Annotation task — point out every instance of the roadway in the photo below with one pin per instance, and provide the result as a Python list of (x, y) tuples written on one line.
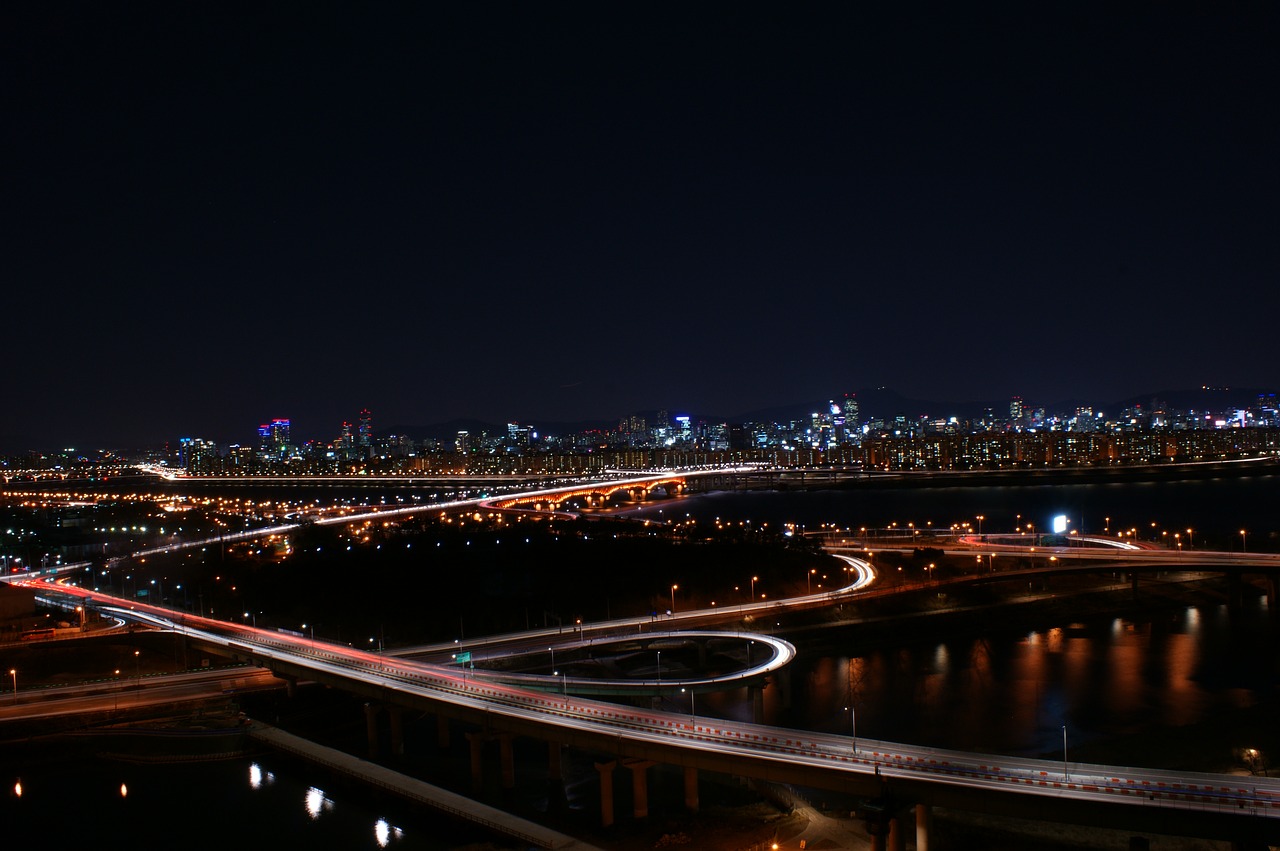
[(132, 692), (947, 777), (1147, 799), (346, 514)]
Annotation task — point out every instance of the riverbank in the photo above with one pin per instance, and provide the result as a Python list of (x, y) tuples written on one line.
[(1171, 472)]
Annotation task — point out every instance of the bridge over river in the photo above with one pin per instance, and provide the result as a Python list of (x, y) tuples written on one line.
[(895, 774)]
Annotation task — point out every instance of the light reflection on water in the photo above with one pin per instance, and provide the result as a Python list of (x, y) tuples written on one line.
[(147, 805), (1012, 693), (383, 833), (317, 803)]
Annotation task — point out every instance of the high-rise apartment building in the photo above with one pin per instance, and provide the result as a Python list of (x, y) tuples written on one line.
[(365, 434)]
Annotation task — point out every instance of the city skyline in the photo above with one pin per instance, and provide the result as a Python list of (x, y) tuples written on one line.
[(560, 215), (839, 419)]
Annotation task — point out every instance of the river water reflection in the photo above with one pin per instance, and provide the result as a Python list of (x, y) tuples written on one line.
[(1012, 692), (268, 802)]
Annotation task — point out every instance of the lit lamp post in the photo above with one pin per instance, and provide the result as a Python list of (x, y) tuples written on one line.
[(659, 670), (13, 672), (1244, 541), (117, 688), (753, 588), (673, 598), (1191, 541), (981, 517), (1065, 775), (808, 578)]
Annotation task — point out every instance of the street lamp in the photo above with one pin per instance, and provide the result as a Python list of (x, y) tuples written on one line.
[(1065, 775), (853, 725), (659, 669), (693, 708), (808, 578), (1244, 541), (117, 688), (753, 588), (1191, 541), (673, 598), (981, 517), (13, 672)]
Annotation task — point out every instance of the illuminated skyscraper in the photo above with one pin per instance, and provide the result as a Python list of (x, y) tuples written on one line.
[(280, 437), (365, 435), (850, 411)]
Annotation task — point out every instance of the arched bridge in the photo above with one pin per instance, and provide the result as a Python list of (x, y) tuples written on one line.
[(596, 495)]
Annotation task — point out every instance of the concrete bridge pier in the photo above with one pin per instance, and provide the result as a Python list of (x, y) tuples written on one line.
[(1235, 591), (508, 761), (371, 728), (1273, 591), (397, 731), (897, 835), (756, 693), (878, 832), (477, 740), (1133, 584), (784, 687), (442, 732), (691, 789), (639, 785), (924, 825), (290, 686), (606, 791), (554, 753)]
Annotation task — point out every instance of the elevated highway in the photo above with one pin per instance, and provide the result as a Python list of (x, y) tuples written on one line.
[(1184, 803)]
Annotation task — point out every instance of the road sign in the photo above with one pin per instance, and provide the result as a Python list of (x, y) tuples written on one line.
[(462, 658)]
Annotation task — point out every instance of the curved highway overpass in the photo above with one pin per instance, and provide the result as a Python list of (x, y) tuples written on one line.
[(1187, 803), (1209, 805)]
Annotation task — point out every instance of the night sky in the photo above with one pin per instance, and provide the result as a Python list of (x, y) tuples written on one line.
[(218, 214)]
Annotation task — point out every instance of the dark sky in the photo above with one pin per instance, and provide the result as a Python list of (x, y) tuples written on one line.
[(217, 214)]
